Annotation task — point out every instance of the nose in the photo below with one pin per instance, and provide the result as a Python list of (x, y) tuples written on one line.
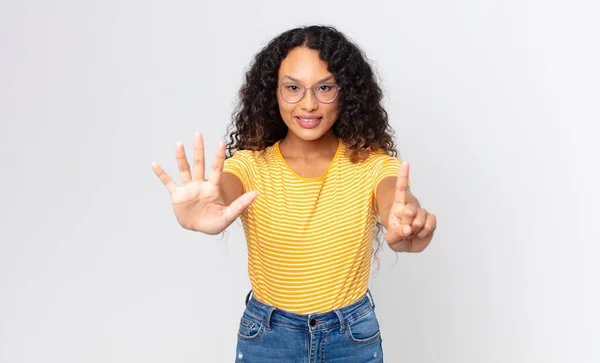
[(309, 101)]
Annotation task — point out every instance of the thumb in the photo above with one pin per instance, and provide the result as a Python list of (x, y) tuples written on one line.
[(237, 206)]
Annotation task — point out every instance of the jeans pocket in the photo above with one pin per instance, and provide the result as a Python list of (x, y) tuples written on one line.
[(251, 327), (364, 329)]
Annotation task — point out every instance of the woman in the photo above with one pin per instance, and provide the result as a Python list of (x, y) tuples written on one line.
[(311, 167)]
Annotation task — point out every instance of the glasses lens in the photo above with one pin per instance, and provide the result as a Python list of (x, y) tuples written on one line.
[(292, 92), (326, 92)]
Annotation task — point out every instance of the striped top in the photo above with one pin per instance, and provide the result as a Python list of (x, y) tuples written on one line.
[(310, 240)]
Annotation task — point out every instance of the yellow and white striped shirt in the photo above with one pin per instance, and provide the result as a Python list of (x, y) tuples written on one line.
[(310, 240)]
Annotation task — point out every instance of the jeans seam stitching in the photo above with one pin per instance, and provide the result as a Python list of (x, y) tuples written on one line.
[(360, 316)]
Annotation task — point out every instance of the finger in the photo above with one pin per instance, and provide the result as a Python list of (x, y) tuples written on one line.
[(409, 214), (419, 221), (164, 177), (182, 163), (237, 206), (217, 167), (198, 157), (402, 183), (397, 234), (430, 226)]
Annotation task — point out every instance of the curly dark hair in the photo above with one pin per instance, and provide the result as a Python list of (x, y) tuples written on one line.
[(362, 122)]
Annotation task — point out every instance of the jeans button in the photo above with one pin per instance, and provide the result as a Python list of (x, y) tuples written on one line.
[(312, 322)]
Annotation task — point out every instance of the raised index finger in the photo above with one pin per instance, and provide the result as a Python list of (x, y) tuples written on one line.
[(402, 183)]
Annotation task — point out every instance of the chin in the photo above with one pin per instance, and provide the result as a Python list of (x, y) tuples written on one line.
[(308, 135)]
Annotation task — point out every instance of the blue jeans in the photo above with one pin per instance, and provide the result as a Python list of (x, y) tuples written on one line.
[(346, 335)]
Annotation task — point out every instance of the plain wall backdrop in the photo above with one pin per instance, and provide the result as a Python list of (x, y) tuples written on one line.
[(495, 103)]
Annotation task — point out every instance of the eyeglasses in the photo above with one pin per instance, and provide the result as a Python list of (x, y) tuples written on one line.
[(324, 92)]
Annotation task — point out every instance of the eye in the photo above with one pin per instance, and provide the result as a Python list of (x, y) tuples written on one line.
[(293, 88), (325, 88)]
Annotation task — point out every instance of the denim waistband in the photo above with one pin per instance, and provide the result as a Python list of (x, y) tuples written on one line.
[(313, 322)]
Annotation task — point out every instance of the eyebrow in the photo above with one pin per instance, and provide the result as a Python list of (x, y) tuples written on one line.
[(318, 82)]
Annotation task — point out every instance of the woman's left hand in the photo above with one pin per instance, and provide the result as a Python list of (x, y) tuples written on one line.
[(410, 228)]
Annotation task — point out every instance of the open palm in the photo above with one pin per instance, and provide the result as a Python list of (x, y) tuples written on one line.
[(198, 203)]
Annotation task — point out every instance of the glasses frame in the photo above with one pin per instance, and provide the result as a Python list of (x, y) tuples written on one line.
[(313, 88)]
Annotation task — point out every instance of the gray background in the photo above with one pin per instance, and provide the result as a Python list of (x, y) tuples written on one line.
[(494, 103)]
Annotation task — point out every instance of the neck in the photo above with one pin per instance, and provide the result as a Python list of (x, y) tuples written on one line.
[(295, 146)]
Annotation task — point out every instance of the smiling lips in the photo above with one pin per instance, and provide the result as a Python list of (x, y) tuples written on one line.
[(308, 122)]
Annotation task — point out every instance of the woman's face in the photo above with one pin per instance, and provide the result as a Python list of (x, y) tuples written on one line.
[(309, 119)]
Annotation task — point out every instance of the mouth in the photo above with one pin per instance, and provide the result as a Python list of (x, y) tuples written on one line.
[(308, 122)]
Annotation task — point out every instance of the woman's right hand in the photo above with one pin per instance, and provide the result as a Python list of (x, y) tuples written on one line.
[(198, 203)]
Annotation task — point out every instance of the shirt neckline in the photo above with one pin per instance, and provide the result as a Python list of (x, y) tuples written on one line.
[(329, 167)]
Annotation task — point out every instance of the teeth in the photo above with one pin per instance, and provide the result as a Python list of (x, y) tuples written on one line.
[(309, 120)]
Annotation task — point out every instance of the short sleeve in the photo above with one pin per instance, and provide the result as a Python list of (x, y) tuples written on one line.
[(240, 165), (384, 167)]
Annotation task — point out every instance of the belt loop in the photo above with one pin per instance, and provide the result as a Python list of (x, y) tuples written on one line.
[(248, 297), (268, 317), (342, 320), (371, 298)]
